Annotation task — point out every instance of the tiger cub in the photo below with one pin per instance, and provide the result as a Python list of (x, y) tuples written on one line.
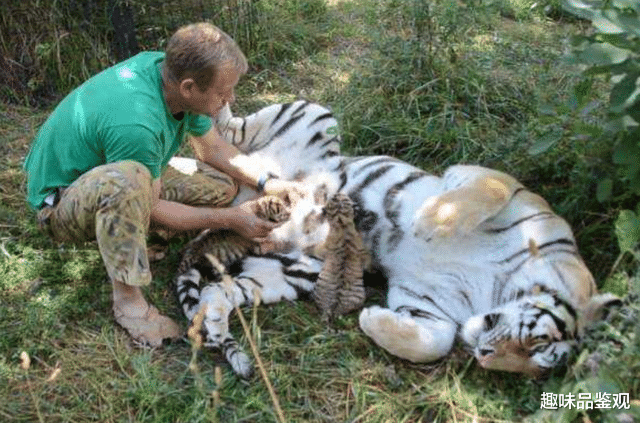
[(340, 288), (337, 267), (224, 244), (295, 141)]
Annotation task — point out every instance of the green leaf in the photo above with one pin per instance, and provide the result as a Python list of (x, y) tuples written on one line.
[(604, 190), (634, 110), (603, 54), (627, 228), (614, 126), (546, 141), (629, 22), (634, 179), (622, 41), (583, 128), (578, 8), (597, 70), (626, 151), (627, 4), (622, 91), (606, 26)]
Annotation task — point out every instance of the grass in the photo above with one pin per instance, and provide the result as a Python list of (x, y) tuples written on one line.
[(433, 83)]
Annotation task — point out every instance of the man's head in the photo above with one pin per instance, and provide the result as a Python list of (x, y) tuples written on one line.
[(203, 65)]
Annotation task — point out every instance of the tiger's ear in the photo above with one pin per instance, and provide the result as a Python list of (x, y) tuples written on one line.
[(597, 308), (223, 117)]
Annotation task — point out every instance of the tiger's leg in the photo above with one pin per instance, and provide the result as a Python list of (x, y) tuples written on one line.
[(271, 279), (408, 330), (218, 300), (111, 203), (274, 135), (471, 195)]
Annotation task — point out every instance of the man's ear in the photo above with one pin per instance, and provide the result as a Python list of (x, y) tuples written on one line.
[(186, 87)]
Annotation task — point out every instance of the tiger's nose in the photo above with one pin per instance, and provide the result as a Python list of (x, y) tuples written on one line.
[(485, 357), (485, 351)]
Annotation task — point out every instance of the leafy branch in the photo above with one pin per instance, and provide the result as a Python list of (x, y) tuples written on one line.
[(611, 50)]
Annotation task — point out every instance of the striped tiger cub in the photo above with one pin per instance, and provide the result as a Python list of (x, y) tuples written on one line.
[(336, 265), (227, 246), (339, 289)]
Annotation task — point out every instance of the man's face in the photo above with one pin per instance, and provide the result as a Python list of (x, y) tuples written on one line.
[(214, 98)]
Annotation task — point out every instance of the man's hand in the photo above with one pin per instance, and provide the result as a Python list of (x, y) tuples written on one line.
[(248, 225)]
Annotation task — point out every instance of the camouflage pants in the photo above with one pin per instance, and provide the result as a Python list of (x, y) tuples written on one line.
[(112, 204)]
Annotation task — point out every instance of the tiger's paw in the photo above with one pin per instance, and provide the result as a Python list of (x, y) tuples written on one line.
[(241, 364), (419, 341), (398, 334), (457, 212)]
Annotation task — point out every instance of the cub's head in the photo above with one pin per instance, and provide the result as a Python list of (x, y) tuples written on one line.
[(306, 226), (531, 335), (272, 208)]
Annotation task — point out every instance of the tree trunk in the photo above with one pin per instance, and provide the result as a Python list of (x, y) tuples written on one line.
[(125, 41)]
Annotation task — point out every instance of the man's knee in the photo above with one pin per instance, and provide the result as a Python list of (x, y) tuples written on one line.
[(133, 174), (204, 186), (121, 187)]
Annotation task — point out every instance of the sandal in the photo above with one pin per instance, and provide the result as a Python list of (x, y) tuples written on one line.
[(150, 329)]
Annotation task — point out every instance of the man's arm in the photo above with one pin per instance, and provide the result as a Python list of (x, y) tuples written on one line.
[(212, 149)]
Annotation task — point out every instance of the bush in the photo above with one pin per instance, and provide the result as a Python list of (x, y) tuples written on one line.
[(54, 45)]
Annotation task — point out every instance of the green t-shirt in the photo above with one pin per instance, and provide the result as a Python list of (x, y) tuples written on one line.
[(119, 114)]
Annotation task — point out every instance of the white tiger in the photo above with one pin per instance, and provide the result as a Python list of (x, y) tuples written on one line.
[(292, 141), (470, 255)]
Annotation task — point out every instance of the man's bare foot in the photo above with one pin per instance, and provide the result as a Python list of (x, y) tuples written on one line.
[(142, 320)]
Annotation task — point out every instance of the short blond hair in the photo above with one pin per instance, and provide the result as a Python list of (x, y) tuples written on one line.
[(199, 51)]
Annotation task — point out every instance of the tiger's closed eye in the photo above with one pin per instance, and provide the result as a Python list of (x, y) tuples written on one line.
[(491, 320), (538, 348)]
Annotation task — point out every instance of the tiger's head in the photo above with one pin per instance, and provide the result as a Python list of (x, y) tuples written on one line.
[(531, 335)]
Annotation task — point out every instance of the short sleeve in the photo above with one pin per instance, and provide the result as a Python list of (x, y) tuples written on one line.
[(199, 125), (134, 142)]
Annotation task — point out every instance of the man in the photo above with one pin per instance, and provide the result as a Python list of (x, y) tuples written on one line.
[(94, 170)]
